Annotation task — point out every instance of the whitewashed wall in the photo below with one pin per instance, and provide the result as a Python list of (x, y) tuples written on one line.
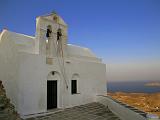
[(9, 64), (33, 97)]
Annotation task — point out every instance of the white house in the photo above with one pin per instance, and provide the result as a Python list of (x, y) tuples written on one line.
[(44, 72)]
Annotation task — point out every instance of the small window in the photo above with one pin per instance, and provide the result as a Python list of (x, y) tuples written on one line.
[(74, 86)]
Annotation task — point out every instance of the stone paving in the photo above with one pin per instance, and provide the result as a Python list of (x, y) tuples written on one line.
[(91, 111)]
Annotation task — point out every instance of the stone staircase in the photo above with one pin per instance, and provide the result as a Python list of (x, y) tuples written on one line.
[(7, 111)]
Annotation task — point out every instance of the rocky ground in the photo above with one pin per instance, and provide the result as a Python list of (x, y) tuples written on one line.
[(144, 101), (7, 111)]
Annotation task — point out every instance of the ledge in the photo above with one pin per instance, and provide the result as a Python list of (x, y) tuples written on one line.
[(124, 111)]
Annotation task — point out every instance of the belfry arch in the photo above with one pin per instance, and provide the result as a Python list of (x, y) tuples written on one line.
[(54, 29), (49, 41)]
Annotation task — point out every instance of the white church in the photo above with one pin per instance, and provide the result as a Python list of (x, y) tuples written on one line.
[(45, 72)]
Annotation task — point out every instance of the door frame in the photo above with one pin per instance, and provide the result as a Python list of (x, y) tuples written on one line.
[(57, 95), (51, 77)]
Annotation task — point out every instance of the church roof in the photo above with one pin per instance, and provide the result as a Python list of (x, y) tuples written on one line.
[(27, 44), (19, 38), (79, 51)]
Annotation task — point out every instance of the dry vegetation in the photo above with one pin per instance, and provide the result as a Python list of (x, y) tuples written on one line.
[(7, 111), (146, 102)]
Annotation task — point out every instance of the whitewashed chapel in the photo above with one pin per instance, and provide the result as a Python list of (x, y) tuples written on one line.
[(44, 72)]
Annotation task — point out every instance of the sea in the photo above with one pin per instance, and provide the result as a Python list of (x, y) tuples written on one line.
[(132, 86)]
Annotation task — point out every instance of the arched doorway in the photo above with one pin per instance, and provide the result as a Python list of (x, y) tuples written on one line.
[(52, 90)]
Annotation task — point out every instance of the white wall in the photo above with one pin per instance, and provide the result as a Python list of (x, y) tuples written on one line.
[(91, 82), (33, 86), (9, 67), (119, 110)]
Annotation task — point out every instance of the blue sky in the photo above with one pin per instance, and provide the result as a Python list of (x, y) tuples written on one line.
[(125, 33), (116, 30)]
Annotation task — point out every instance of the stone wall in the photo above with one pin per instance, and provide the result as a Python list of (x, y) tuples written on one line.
[(7, 111)]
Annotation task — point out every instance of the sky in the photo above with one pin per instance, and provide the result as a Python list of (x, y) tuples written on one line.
[(124, 33)]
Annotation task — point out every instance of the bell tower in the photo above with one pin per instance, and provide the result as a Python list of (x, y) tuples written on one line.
[(51, 35)]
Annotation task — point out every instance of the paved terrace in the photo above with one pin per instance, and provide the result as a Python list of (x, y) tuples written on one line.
[(91, 111)]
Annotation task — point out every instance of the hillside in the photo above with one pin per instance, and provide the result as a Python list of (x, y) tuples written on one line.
[(153, 84), (146, 102)]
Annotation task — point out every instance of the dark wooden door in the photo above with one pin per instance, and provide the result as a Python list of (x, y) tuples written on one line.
[(51, 94)]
